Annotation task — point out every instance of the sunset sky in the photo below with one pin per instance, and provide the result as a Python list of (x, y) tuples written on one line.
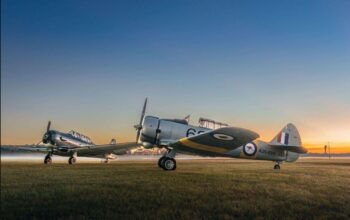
[(88, 65)]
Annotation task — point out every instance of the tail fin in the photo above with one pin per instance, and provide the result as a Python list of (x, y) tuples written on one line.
[(288, 136), (289, 139), (113, 141)]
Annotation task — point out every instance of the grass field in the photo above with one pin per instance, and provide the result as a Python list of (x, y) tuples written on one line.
[(199, 189)]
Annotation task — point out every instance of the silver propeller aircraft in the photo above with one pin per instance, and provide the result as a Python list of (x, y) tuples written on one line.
[(73, 143), (215, 139)]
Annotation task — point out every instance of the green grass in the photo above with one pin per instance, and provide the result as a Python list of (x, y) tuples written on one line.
[(215, 189)]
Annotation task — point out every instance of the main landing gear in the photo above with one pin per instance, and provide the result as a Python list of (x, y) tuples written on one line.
[(167, 162), (72, 159), (109, 157), (48, 158), (277, 165)]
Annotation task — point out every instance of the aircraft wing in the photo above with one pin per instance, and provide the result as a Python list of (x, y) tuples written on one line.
[(97, 150), (26, 148), (215, 142), (36, 148)]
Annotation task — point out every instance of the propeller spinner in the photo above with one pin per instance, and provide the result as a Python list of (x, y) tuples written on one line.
[(47, 135), (138, 127)]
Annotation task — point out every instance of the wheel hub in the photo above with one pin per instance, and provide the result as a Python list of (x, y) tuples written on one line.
[(169, 164)]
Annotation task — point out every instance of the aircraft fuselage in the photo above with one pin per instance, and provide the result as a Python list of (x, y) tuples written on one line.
[(65, 141), (161, 132)]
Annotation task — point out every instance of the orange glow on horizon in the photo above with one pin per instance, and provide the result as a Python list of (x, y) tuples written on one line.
[(313, 147), (335, 148)]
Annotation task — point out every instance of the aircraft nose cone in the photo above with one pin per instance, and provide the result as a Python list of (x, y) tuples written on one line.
[(46, 137)]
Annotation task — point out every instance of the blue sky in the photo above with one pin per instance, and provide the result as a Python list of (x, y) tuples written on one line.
[(88, 65)]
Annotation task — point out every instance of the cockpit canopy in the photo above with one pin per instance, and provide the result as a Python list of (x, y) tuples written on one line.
[(180, 121), (80, 136), (211, 124)]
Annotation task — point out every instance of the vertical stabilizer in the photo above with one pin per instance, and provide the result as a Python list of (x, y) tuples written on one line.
[(288, 136)]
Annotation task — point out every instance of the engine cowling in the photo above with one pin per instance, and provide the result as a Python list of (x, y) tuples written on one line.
[(149, 131)]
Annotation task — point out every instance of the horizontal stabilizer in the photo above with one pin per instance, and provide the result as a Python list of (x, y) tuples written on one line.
[(295, 149)]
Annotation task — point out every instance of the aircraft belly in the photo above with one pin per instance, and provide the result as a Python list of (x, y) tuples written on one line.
[(62, 153)]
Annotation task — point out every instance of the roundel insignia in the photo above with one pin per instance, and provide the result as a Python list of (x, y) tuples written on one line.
[(249, 149), (223, 137)]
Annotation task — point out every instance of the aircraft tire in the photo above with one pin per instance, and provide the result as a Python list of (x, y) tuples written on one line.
[(160, 161), (72, 160), (277, 167), (169, 164), (47, 160)]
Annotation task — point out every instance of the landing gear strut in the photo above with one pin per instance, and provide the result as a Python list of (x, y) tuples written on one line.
[(73, 158), (277, 165), (167, 162), (48, 158)]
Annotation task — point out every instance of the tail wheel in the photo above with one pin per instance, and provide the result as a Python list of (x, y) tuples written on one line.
[(169, 164), (160, 161)]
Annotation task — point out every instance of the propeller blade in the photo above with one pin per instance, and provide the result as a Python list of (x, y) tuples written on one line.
[(48, 126), (143, 111), (139, 126)]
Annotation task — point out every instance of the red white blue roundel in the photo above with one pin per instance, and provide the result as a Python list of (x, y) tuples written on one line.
[(249, 149)]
